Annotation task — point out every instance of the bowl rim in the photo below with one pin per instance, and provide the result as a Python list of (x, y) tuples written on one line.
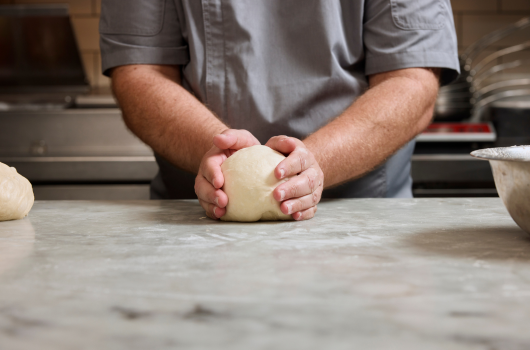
[(513, 153)]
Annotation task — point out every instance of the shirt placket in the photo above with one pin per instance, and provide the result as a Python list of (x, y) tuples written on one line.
[(215, 56)]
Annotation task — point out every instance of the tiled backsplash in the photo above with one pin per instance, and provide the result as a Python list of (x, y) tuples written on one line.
[(473, 19)]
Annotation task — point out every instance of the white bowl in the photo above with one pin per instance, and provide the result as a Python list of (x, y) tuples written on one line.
[(511, 171)]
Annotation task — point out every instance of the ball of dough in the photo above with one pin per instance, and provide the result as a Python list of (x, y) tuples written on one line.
[(249, 182), (16, 194)]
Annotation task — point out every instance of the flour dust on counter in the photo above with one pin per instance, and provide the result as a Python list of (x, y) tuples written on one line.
[(416, 274)]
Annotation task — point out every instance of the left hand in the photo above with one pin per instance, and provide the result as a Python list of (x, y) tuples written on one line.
[(210, 179), (300, 195)]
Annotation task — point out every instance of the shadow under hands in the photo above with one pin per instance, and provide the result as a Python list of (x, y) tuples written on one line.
[(172, 212)]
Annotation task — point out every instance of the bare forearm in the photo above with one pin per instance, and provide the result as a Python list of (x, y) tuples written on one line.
[(396, 108), (164, 115)]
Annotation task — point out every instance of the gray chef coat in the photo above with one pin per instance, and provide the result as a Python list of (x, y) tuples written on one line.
[(282, 67)]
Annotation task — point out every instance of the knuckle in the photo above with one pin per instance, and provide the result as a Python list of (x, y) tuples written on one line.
[(292, 168), (299, 166), (279, 139), (315, 198), (293, 189), (311, 182), (299, 204)]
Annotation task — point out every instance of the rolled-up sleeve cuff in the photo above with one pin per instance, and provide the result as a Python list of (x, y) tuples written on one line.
[(116, 54), (388, 62)]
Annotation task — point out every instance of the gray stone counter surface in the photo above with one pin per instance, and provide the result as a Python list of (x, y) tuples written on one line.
[(363, 274)]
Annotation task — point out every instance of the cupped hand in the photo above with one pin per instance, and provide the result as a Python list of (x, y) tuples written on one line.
[(210, 178), (300, 195)]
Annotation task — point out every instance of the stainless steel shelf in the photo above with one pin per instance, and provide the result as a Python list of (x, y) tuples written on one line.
[(449, 168), (84, 169), (455, 192), (91, 192), (425, 168)]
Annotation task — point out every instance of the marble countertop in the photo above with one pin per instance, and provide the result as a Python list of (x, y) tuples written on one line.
[(365, 274)]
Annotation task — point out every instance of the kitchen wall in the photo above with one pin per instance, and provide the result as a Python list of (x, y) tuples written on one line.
[(473, 19), (85, 17)]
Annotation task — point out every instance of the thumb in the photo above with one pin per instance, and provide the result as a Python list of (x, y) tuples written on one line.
[(235, 139)]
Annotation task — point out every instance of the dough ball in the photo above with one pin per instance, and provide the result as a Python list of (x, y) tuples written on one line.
[(249, 182), (16, 194)]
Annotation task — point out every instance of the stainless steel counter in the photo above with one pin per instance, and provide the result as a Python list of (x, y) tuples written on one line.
[(367, 274)]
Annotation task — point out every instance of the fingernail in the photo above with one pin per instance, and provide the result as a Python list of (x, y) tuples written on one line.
[(282, 173), (297, 216), (289, 208), (214, 212), (217, 201), (282, 195)]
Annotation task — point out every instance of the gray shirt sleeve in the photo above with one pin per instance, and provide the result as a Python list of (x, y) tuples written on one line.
[(405, 34), (140, 32)]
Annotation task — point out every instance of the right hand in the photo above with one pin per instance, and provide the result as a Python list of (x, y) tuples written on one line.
[(210, 178)]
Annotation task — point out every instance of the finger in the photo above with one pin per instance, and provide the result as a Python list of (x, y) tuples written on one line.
[(306, 214), (235, 139), (211, 169), (211, 210), (206, 207), (283, 144), (296, 162), (292, 206), (298, 186), (207, 193)]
